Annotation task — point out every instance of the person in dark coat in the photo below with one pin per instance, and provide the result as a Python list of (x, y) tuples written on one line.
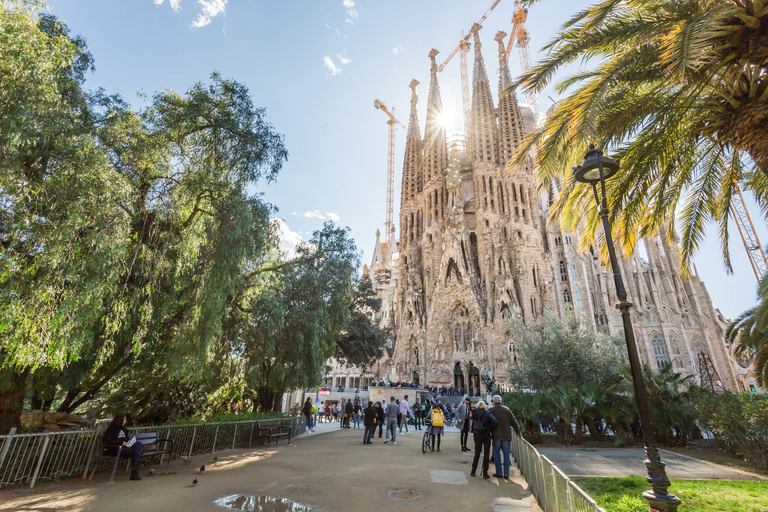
[(502, 435), (482, 425), (348, 410), (307, 410), (115, 439), (369, 422), (379, 418)]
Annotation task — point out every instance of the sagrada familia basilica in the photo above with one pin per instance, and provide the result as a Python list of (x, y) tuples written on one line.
[(476, 250)]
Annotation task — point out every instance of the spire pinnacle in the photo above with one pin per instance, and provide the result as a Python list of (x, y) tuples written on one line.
[(505, 77), (479, 74), (435, 148), (413, 123)]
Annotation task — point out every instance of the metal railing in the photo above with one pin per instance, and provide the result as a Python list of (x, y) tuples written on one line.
[(27, 458), (554, 491)]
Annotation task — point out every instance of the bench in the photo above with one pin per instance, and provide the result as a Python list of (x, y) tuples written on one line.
[(273, 429), (152, 446)]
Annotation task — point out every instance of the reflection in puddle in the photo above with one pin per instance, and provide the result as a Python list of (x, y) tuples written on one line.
[(260, 504)]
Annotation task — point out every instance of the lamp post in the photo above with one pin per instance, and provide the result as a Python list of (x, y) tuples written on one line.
[(595, 169)]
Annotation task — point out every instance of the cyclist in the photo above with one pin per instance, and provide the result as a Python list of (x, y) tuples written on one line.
[(437, 418)]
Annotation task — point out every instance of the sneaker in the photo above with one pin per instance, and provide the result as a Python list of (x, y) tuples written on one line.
[(385, 442), (394, 442), (135, 475)]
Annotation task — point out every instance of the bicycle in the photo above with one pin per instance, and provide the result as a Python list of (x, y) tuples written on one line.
[(427, 443)]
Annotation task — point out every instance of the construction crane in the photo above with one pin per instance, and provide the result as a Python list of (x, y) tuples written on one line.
[(463, 47), (392, 122), (520, 36), (748, 235)]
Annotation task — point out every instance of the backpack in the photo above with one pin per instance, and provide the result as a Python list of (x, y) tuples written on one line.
[(437, 418), (485, 425)]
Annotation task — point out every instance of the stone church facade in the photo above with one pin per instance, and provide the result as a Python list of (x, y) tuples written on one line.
[(476, 251)]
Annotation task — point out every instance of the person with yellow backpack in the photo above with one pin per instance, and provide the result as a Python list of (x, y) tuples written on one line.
[(437, 417)]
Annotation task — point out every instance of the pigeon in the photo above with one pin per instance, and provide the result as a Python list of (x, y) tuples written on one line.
[(215, 458), (194, 482), (152, 472), (202, 468)]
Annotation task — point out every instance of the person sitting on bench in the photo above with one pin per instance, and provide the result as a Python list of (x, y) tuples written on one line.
[(116, 439)]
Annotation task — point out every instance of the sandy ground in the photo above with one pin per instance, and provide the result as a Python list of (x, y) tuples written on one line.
[(331, 472)]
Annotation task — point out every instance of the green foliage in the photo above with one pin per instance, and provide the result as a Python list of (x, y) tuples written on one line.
[(679, 91), (243, 416), (739, 422), (749, 334), (563, 352), (624, 494), (363, 341)]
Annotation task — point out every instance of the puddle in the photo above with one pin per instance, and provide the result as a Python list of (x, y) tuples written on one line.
[(251, 503), (403, 494)]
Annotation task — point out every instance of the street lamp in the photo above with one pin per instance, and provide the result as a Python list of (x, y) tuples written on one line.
[(596, 169)]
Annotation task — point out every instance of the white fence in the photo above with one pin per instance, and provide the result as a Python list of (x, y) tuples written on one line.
[(27, 458), (554, 491)]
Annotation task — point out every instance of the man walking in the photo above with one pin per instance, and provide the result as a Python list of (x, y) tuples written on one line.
[(417, 415), (348, 409), (502, 435), (405, 410), (462, 423), (369, 422), (391, 413)]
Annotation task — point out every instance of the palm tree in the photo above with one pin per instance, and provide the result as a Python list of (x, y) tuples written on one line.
[(749, 334), (678, 90)]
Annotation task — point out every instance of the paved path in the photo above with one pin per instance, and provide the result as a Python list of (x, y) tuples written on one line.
[(331, 471), (629, 461)]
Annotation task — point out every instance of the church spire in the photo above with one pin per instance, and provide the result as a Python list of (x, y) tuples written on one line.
[(435, 152), (484, 139), (412, 179), (511, 129)]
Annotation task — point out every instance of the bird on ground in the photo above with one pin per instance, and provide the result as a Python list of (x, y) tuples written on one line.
[(202, 468), (215, 458), (152, 472), (194, 482)]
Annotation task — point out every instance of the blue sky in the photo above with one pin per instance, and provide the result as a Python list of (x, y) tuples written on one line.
[(317, 66)]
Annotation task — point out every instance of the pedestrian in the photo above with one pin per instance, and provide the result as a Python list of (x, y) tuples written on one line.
[(348, 410), (417, 412), (379, 418), (405, 411), (462, 423), (307, 410), (341, 413), (356, 415), (502, 435), (117, 441), (482, 425), (391, 414), (369, 422), (437, 417)]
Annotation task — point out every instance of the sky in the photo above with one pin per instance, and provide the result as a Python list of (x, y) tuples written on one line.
[(317, 66)]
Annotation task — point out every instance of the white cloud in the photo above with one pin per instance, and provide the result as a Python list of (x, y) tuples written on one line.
[(397, 49), (288, 239), (313, 215), (331, 66), (209, 10), (175, 4), (332, 216), (349, 5), (350, 21), (317, 214), (343, 58)]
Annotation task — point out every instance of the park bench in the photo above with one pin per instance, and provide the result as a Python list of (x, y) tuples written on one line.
[(152, 446), (273, 429)]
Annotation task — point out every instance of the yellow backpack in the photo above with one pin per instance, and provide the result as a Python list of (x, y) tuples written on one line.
[(437, 418)]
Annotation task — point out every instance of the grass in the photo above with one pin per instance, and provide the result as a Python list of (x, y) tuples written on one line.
[(622, 494)]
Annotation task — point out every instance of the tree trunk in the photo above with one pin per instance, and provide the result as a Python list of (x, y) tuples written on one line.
[(12, 387), (266, 399)]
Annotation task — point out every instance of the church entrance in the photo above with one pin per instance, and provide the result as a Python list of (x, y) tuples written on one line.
[(458, 376), (474, 380)]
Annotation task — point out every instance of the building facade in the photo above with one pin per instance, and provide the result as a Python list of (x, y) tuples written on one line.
[(476, 251)]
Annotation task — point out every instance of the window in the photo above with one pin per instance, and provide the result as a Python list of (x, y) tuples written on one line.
[(566, 296), (674, 348), (567, 240), (577, 297), (574, 274), (659, 350), (563, 272)]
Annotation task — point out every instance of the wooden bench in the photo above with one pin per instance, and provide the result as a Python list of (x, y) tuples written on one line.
[(273, 429), (151, 445)]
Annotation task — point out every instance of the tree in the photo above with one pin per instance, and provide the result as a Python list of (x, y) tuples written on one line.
[(288, 316), (679, 91), (363, 341), (749, 334), (563, 353)]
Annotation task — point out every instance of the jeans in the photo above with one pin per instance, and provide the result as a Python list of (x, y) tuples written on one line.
[(481, 443), (403, 423), (392, 427), (368, 435), (134, 452), (356, 420), (381, 427), (416, 422), (499, 447)]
